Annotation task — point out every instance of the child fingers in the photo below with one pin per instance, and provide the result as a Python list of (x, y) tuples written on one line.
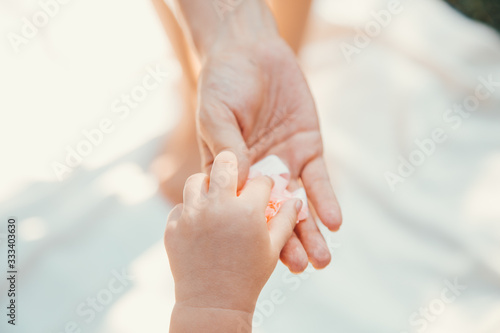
[(224, 174), (195, 190), (282, 224), (175, 213), (258, 190), (172, 221)]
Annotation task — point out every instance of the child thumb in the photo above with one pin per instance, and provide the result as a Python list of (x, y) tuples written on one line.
[(282, 224)]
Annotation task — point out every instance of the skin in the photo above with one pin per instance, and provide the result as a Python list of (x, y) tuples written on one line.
[(253, 100), (221, 250)]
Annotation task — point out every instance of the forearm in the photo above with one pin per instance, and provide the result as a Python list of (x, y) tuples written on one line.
[(192, 319), (216, 22)]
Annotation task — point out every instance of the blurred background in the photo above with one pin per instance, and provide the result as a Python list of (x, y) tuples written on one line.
[(410, 115)]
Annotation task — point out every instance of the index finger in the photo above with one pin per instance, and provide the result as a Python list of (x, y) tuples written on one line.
[(319, 190)]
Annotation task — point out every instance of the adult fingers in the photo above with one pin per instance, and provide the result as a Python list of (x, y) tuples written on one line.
[(207, 159), (313, 241), (319, 190), (293, 255)]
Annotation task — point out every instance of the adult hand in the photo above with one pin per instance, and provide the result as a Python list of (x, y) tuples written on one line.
[(254, 101)]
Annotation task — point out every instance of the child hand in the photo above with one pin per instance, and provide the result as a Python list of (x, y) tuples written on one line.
[(220, 248)]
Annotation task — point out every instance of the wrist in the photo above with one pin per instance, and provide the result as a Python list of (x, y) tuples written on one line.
[(245, 22), (227, 291), (187, 318), (249, 23)]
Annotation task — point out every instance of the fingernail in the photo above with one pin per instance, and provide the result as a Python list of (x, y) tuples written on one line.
[(298, 205)]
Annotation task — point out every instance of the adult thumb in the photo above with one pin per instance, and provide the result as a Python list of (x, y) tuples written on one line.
[(222, 135)]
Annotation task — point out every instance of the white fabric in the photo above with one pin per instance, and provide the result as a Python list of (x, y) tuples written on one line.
[(270, 166)]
